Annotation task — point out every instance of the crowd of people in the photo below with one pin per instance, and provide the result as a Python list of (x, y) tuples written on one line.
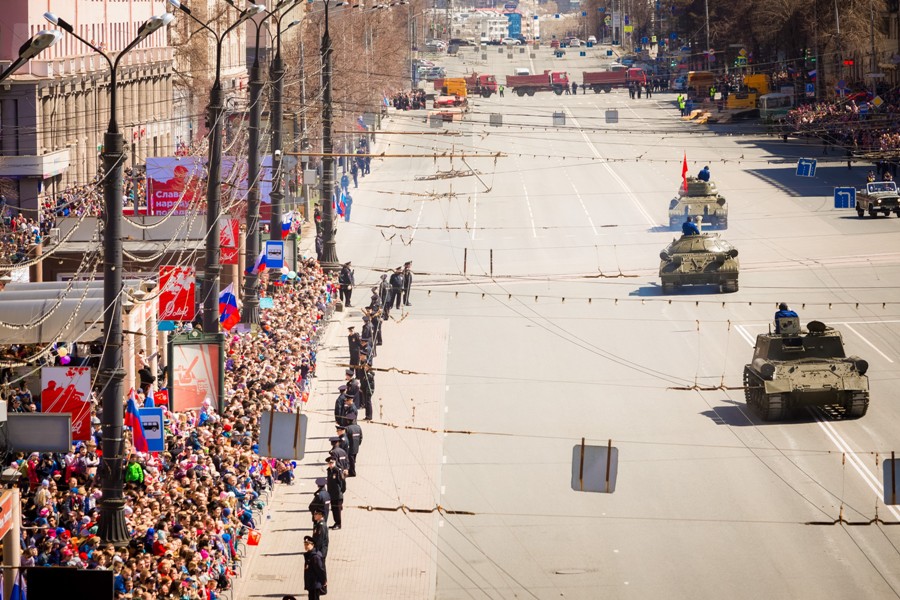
[(854, 123), (411, 100), (188, 507)]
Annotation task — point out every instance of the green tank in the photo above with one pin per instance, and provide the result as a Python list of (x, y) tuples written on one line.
[(704, 259), (795, 368), (703, 199)]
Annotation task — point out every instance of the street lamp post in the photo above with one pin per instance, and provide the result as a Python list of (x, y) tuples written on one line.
[(212, 268), (111, 527), (329, 260), (35, 45)]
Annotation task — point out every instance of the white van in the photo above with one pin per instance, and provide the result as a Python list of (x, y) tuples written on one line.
[(522, 71)]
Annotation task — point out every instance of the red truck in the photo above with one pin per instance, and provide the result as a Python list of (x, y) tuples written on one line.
[(555, 81), (607, 80), (476, 83)]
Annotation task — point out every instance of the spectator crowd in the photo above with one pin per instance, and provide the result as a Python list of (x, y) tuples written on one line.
[(189, 508)]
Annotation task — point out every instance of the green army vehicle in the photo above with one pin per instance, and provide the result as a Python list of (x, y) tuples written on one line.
[(701, 198), (795, 368), (704, 259)]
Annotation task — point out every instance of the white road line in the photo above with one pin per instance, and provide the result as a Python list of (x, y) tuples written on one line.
[(868, 477), (871, 345), (528, 204), (475, 214), (745, 334), (418, 219), (584, 208), (612, 173)]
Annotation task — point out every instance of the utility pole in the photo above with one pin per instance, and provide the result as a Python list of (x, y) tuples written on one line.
[(708, 48), (874, 53), (329, 260)]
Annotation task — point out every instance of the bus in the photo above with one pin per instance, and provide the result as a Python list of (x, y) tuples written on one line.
[(773, 107)]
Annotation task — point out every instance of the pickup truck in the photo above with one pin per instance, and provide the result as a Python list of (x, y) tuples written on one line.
[(548, 81), (605, 81), (878, 197)]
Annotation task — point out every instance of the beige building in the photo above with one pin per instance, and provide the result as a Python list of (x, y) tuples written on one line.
[(54, 110)]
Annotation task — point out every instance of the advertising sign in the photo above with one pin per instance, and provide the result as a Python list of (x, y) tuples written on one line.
[(229, 230), (195, 378), (176, 297), (173, 183), (68, 390), (6, 513), (161, 398), (152, 420), (274, 255)]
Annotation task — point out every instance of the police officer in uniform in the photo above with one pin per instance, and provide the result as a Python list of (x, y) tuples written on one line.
[(320, 533), (353, 345), (346, 279), (336, 486), (348, 412), (366, 379), (354, 437), (396, 286), (341, 458), (315, 578), (321, 500), (407, 280)]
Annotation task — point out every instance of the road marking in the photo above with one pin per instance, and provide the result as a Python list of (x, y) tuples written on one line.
[(443, 490), (583, 207), (528, 204), (418, 219), (871, 345), (745, 334), (612, 173), (868, 477)]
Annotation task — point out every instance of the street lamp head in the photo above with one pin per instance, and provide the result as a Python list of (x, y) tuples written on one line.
[(291, 24), (154, 24), (38, 43), (180, 6), (61, 23)]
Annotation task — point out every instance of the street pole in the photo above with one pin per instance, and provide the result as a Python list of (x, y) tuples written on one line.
[(111, 526), (251, 250), (708, 49), (329, 260)]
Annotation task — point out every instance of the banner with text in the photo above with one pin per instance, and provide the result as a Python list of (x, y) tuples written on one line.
[(174, 183), (176, 297)]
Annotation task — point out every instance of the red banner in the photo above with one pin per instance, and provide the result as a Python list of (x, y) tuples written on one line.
[(68, 390), (161, 398), (196, 376), (176, 298), (173, 183), (229, 230)]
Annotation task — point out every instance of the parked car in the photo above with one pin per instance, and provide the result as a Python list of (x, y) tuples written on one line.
[(509, 41), (440, 43), (460, 42), (574, 42), (592, 39)]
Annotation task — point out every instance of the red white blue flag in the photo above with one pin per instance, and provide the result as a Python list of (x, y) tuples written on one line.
[(229, 316), (133, 420)]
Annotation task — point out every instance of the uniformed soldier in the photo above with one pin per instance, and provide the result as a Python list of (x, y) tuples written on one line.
[(365, 351), (315, 578), (336, 486), (339, 404), (321, 500), (407, 279), (353, 345), (367, 332), (348, 413), (346, 281), (354, 437), (320, 533), (341, 458), (366, 379), (397, 286), (340, 432)]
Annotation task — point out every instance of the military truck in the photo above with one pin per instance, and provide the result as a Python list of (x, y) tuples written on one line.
[(704, 259), (793, 369), (878, 197), (701, 198)]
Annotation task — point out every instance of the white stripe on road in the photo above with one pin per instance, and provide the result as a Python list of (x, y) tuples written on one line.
[(868, 477), (528, 204), (745, 334), (871, 345), (612, 173), (583, 207), (418, 218)]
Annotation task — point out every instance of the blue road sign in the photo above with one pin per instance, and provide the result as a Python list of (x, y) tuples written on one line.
[(274, 255), (645, 40), (609, 52), (602, 9), (152, 420), (806, 167), (845, 197)]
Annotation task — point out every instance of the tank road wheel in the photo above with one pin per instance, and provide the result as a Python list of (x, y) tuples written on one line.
[(750, 386), (772, 407), (860, 212), (857, 405)]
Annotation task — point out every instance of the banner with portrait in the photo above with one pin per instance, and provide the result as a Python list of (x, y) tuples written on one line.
[(174, 184), (68, 390)]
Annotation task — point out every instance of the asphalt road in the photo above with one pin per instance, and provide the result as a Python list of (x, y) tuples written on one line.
[(545, 262)]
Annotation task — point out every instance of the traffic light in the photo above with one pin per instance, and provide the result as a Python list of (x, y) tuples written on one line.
[(848, 62)]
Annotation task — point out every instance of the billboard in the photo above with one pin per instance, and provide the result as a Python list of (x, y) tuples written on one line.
[(176, 296), (229, 232), (196, 373), (68, 390), (174, 183)]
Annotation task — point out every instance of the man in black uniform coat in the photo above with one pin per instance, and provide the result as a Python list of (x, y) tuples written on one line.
[(396, 287), (353, 345), (346, 279), (348, 413), (321, 500), (366, 380), (340, 432), (354, 439), (320, 533), (340, 456), (336, 487), (314, 576), (339, 404), (407, 282)]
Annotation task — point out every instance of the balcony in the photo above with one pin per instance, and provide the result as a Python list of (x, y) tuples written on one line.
[(43, 166)]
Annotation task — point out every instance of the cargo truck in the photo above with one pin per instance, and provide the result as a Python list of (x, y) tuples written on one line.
[(605, 81), (548, 81), (476, 83)]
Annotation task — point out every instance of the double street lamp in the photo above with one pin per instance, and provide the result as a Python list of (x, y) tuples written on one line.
[(212, 268), (111, 527)]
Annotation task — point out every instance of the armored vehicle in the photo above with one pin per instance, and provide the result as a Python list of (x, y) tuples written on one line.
[(795, 368), (878, 197), (701, 198), (704, 259)]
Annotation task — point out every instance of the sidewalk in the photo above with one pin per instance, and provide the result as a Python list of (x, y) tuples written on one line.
[(380, 552)]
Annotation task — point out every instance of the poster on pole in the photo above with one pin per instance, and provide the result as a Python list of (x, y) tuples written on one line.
[(68, 390), (176, 297), (229, 232), (196, 370), (174, 183)]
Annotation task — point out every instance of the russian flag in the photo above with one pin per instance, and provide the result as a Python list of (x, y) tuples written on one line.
[(286, 222), (361, 124), (133, 420), (259, 266), (228, 308)]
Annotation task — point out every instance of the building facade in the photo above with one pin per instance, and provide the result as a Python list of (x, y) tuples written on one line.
[(54, 110)]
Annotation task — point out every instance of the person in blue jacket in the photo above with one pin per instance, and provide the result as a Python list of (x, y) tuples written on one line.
[(689, 227), (703, 175), (783, 312)]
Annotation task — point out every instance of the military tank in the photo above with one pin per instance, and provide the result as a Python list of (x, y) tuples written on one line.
[(701, 198), (795, 368), (705, 259)]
